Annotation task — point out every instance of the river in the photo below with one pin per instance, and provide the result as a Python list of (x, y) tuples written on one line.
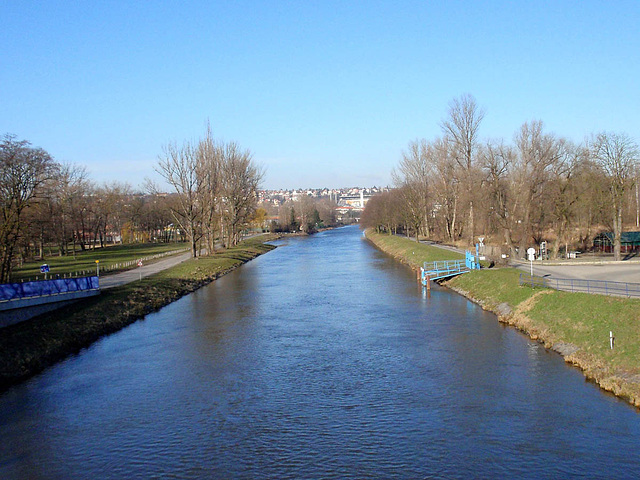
[(321, 359)]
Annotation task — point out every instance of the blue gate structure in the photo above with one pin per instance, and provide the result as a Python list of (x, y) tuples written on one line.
[(21, 301), (448, 268)]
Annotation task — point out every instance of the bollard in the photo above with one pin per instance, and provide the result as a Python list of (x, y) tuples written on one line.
[(611, 339)]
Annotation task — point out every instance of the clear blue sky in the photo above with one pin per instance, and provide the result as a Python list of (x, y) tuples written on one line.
[(323, 93)]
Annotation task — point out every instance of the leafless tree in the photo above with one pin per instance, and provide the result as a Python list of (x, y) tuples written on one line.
[(537, 154), (414, 177), (461, 126), (179, 167), (240, 178), (23, 171), (209, 165), (617, 156)]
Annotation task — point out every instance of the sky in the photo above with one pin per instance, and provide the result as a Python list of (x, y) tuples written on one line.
[(323, 93)]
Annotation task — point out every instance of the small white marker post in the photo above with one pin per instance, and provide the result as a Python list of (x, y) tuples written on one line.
[(140, 271), (531, 253), (611, 339)]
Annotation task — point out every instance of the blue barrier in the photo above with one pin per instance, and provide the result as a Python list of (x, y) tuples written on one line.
[(14, 291)]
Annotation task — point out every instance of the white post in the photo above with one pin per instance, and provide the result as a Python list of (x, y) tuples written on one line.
[(611, 339), (531, 262)]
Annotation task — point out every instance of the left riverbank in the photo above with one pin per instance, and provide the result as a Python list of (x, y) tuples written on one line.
[(29, 347)]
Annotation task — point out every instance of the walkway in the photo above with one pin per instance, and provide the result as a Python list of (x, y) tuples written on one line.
[(129, 276)]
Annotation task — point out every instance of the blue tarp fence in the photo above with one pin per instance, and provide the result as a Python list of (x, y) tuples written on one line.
[(14, 291)]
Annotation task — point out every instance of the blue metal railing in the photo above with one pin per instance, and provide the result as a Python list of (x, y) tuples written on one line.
[(602, 287)]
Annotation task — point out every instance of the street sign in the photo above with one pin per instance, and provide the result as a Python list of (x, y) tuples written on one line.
[(139, 263), (44, 268)]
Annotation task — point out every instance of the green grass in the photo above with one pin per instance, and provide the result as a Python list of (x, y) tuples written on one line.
[(109, 257), (29, 347), (410, 252), (581, 319), (494, 286)]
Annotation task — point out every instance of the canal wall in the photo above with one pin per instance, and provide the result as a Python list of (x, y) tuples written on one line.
[(597, 363)]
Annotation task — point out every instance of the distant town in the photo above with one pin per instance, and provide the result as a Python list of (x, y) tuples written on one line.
[(345, 199)]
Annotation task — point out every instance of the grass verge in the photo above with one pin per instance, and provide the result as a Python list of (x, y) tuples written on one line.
[(408, 251), (576, 325), (29, 347)]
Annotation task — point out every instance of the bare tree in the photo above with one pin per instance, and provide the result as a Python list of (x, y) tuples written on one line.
[(23, 171), (497, 160), (209, 161), (179, 167), (461, 126), (240, 178), (617, 156), (565, 191), (414, 176), (537, 153)]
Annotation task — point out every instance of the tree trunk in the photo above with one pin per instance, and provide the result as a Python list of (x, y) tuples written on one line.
[(617, 232), (472, 229)]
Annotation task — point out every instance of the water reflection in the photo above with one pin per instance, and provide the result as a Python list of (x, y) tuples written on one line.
[(322, 359)]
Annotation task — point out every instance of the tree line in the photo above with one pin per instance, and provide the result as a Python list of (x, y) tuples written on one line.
[(539, 187), (52, 208)]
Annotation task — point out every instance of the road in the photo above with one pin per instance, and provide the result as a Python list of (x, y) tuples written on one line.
[(617, 272)]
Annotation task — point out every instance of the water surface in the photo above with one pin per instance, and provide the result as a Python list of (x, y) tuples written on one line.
[(321, 359)]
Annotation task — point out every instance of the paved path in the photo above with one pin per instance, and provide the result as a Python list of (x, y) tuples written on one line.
[(617, 272), (129, 276)]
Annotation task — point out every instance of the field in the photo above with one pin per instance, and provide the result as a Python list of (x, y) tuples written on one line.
[(112, 258)]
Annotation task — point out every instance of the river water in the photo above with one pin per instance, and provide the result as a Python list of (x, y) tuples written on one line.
[(321, 359)]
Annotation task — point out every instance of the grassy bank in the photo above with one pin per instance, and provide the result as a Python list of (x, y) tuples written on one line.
[(576, 325), (112, 258), (29, 347), (410, 252)]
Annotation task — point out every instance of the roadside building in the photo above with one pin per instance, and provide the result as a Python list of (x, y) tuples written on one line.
[(629, 242)]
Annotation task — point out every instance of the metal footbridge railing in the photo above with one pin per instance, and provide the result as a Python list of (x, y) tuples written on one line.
[(448, 268)]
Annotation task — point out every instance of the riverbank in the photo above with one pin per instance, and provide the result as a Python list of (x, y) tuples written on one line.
[(576, 325), (29, 347)]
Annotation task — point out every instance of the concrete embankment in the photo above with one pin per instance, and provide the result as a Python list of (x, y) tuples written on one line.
[(29, 347), (576, 325)]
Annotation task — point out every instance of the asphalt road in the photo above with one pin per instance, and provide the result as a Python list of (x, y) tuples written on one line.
[(617, 272)]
